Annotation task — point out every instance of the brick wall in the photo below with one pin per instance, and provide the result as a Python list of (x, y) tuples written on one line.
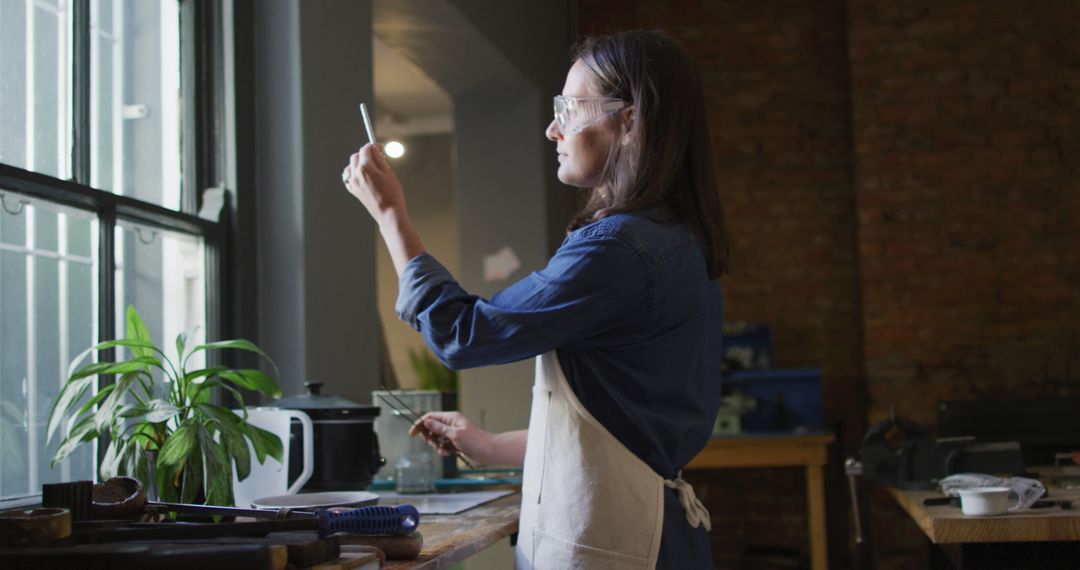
[(966, 117), (903, 190)]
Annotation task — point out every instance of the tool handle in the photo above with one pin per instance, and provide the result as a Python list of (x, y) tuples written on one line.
[(854, 469), (400, 519)]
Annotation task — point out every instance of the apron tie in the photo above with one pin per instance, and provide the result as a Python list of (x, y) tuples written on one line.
[(696, 513)]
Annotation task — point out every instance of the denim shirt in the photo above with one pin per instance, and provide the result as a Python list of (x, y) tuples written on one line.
[(627, 304)]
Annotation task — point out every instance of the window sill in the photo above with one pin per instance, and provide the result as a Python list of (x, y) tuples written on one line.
[(20, 503)]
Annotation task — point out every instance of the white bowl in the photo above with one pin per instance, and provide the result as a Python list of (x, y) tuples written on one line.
[(984, 501), (326, 499)]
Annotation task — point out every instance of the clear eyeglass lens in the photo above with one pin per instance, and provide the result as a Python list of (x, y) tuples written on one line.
[(563, 111), (574, 114)]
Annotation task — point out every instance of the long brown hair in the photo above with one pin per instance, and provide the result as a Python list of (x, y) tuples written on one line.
[(668, 158)]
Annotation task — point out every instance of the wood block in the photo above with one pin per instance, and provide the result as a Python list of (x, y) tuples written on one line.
[(395, 547), (351, 561)]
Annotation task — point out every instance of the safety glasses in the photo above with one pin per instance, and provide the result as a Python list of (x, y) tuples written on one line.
[(574, 114)]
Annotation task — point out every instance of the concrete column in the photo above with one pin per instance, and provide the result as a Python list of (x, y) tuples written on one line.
[(317, 315)]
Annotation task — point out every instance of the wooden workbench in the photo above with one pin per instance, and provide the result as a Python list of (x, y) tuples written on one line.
[(1045, 539), (948, 525), (449, 539), (808, 451)]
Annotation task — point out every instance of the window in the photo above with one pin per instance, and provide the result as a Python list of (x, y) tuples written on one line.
[(97, 186), (35, 107), (48, 260)]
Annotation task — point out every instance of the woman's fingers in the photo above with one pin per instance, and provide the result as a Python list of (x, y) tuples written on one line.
[(448, 418), (371, 158), (441, 444)]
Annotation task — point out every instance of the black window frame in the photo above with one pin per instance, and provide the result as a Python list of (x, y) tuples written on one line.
[(202, 60)]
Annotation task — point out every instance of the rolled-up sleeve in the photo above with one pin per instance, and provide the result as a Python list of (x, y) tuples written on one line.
[(594, 291)]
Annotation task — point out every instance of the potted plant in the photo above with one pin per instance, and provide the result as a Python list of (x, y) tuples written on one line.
[(169, 434), (432, 374)]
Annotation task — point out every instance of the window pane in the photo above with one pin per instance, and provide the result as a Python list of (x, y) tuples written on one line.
[(135, 99), (36, 90), (48, 308), (162, 274)]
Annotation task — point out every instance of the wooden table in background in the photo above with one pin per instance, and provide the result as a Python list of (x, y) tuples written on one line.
[(1043, 538), (947, 525), (808, 451)]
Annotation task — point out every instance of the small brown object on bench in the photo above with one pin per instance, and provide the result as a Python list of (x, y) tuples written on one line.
[(395, 547), (34, 527)]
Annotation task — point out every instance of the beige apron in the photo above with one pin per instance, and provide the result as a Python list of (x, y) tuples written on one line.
[(587, 501)]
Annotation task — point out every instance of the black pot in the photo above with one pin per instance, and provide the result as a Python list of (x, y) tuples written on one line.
[(346, 448)]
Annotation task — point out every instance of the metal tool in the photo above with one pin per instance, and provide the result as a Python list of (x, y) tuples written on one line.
[(400, 519), (375, 519), (442, 441), (1046, 503), (367, 123)]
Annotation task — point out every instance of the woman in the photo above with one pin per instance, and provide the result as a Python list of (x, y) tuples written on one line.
[(624, 320)]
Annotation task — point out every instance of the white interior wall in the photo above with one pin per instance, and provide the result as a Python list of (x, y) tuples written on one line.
[(426, 172)]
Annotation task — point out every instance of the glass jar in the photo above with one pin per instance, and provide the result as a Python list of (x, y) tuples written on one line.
[(415, 473)]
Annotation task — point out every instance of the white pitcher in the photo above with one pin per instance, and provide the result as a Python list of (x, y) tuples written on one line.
[(271, 478)]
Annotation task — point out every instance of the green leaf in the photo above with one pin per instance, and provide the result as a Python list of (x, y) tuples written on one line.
[(232, 437), (128, 343), (145, 433), (103, 345), (83, 431), (238, 344), (107, 414), (142, 468), (196, 374), (75, 361), (95, 400), (202, 392), (128, 411), (224, 417), (204, 386), (181, 340), (159, 410), (113, 455), (218, 479), (69, 395), (136, 330), (237, 448), (164, 477), (141, 363), (264, 442), (179, 445), (191, 478), (432, 373), (252, 379)]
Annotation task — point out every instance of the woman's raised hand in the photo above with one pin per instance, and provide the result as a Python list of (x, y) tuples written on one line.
[(371, 180)]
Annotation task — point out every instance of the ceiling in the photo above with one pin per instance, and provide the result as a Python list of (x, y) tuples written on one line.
[(407, 101)]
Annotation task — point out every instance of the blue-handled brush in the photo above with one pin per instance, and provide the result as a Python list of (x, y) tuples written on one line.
[(400, 519)]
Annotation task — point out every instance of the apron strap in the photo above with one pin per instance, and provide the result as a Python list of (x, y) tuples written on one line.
[(696, 513)]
